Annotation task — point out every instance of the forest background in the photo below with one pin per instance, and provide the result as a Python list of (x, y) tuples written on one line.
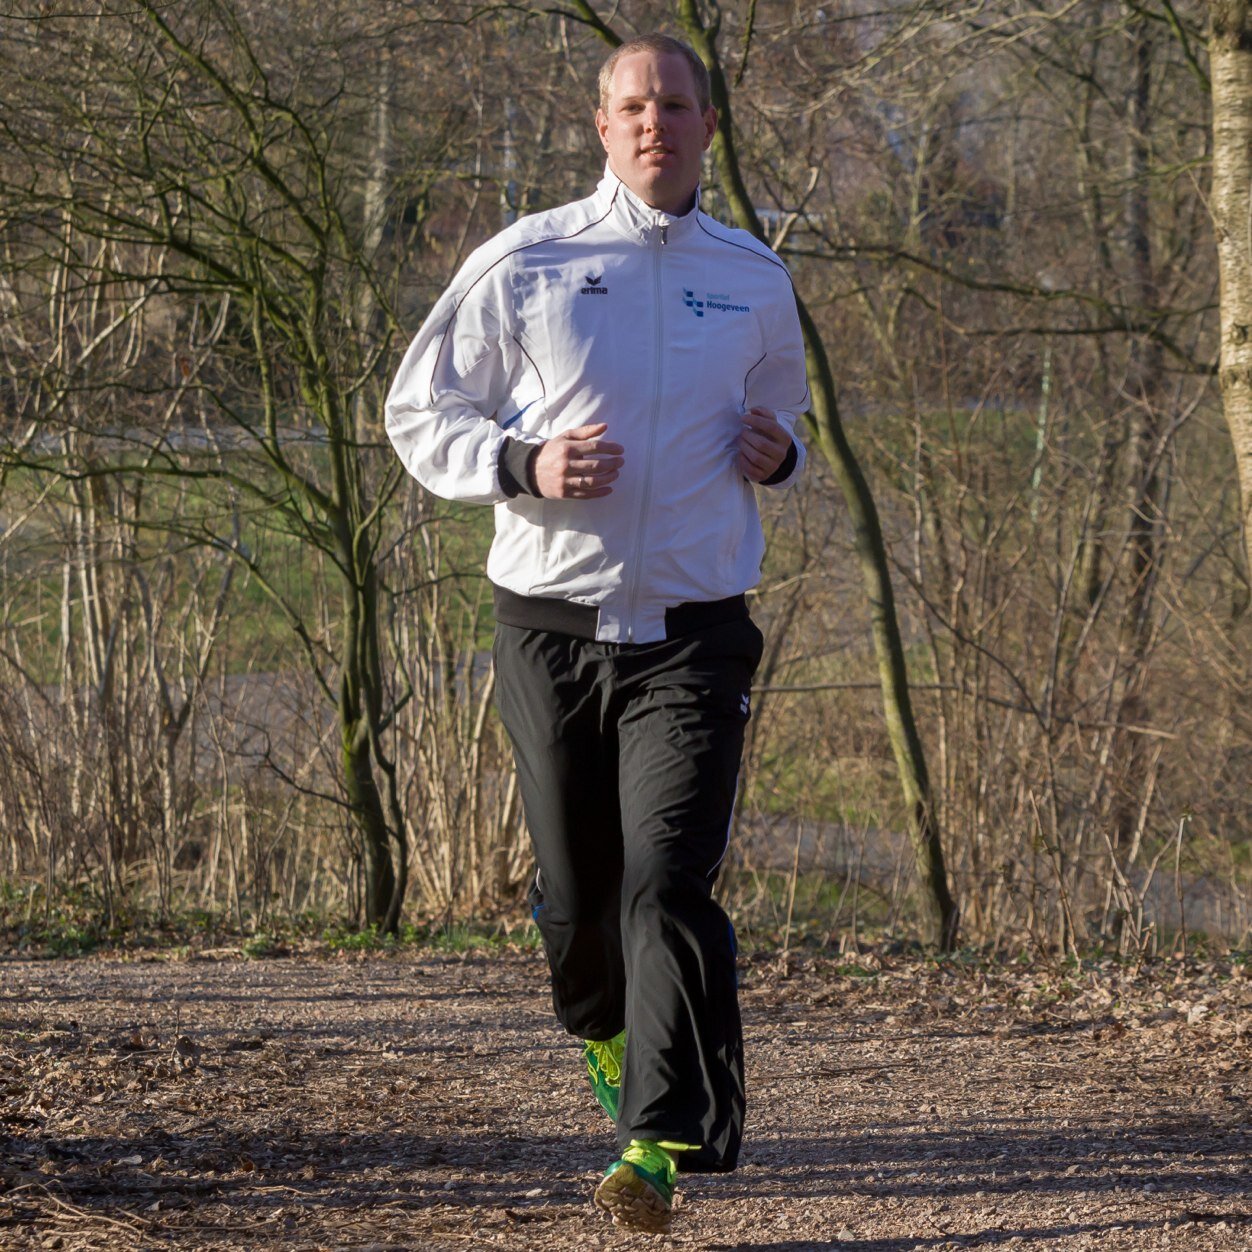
[(244, 660)]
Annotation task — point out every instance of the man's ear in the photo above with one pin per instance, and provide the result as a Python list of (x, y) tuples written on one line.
[(602, 128), (710, 126)]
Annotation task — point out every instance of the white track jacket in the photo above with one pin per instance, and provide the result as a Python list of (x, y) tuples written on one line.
[(606, 310)]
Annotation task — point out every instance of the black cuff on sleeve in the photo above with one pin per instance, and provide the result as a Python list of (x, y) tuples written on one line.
[(516, 468), (783, 472)]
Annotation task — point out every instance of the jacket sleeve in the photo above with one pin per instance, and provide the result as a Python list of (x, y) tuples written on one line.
[(441, 411), (780, 380)]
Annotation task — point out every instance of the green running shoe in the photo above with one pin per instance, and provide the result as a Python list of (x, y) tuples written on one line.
[(638, 1190), (604, 1068)]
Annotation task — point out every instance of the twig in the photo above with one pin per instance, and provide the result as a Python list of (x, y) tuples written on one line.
[(134, 1225)]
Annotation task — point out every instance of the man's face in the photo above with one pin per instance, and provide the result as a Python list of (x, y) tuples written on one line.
[(653, 129)]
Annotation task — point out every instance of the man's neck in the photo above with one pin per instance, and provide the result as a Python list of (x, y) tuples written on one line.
[(687, 205)]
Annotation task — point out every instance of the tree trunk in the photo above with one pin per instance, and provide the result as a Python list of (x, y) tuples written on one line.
[(371, 774), (941, 911), (1147, 432), (359, 715), (1230, 57)]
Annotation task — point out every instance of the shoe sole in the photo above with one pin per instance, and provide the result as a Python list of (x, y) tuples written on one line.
[(633, 1201)]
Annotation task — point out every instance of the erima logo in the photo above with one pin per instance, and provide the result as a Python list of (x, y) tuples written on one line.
[(745, 705), (718, 300), (593, 287)]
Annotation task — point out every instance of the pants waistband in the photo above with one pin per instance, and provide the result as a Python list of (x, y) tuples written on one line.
[(580, 620)]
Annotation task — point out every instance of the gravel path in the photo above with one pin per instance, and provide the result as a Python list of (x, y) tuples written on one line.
[(429, 1102)]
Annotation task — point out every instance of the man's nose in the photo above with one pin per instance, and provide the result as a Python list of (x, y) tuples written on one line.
[(652, 117)]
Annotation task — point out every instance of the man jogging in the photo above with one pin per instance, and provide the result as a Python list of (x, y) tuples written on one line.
[(614, 376)]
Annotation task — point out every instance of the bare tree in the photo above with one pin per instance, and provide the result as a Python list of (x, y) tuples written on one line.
[(219, 222), (1230, 58), (236, 165)]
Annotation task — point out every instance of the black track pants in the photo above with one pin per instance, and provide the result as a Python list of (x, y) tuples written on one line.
[(628, 760)]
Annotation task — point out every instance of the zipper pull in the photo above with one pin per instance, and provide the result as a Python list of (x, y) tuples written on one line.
[(664, 233)]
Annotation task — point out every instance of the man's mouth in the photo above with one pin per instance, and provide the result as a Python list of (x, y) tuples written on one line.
[(657, 150)]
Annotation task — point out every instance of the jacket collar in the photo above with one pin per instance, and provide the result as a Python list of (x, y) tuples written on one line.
[(638, 221)]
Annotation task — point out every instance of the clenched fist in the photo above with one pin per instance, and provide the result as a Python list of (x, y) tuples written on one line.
[(763, 444), (578, 464)]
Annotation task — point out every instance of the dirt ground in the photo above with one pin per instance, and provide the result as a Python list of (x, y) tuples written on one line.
[(430, 1102)]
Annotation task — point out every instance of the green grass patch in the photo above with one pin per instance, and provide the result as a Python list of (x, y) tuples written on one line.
[(456, 937), (166, 527), (76, 921)]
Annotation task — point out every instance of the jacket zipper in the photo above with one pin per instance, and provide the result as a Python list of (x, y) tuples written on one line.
[(645, 497)]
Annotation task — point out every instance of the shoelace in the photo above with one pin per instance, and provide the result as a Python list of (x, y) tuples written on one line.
[(652, 1157), (608, 1058)]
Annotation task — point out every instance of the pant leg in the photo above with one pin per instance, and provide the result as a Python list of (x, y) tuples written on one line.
[(551, 693), (681, 735)]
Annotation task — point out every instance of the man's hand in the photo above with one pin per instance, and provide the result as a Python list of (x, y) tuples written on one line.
[(577, 464), (763, 444)]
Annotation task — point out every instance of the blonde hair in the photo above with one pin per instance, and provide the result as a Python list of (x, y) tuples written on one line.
[(656, 43)]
